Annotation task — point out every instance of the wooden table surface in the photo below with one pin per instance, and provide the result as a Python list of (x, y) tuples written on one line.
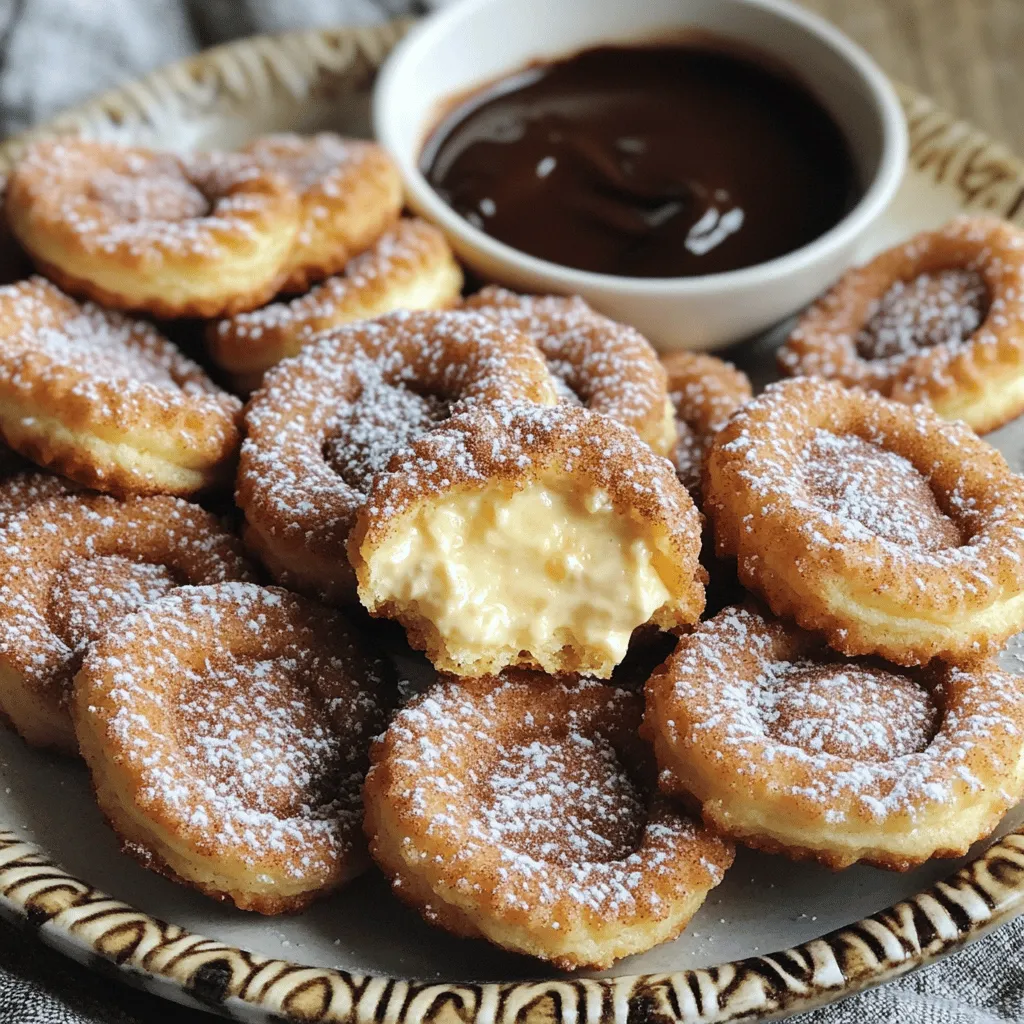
[(968, 55)]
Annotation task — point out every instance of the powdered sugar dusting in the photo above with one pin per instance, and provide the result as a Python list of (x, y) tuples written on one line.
[(323, 159), (162, 194), (518, 441), (705, 392), (383, 418), (609, 366), (934, 318), (91, 595), (562, 801), (256, 752), (395, 258), (845, 708), (839, 735), (945, 308), (818, 467), (21, 491), (256, 746), (70, 567), (66, 357), (148, 205), (326, 421), (536, 794), (868, 487)]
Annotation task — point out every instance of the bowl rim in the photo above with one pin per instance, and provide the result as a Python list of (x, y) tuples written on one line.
[(123, 942), (872, 203)]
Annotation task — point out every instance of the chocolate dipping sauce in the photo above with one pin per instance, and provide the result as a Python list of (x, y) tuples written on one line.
[(645, 161)]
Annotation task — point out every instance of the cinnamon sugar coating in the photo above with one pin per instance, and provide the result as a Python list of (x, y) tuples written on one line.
[(938, 319), (609, 522), (522, 809), (891, 531), (71, 568), (488, 481), (21, 490), (106, 400), (134, 229), (609, 367), (349, 192), (410, 266), (226, 729), (790, 748), (705, 392), (325, 422)]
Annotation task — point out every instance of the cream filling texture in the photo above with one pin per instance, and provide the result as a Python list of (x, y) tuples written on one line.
[(525, 571)]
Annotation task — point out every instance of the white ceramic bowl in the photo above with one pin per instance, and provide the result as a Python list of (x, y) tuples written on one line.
[(473, 42)]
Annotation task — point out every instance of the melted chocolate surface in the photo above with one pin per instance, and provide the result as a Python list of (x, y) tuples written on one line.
[(645, 161)]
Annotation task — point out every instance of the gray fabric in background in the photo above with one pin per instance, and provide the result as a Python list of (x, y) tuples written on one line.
[(56, 52)]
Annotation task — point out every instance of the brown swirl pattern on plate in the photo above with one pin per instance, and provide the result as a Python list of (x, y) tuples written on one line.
[(167, 960)]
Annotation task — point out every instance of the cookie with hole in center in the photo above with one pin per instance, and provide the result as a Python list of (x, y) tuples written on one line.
[(888, 529), (938, 319), (226, 729), (522, 809), (789, 747)]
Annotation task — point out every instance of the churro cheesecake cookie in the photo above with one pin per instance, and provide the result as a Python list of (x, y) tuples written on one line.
[(327, 421), (226, 729), (522, 809), (71, 567), (107, 400), (888, 529), (791, 748), (135, 229), (938, 319), (517, 534)]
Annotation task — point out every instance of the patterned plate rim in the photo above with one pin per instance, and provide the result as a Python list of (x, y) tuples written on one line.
[(111, 936)]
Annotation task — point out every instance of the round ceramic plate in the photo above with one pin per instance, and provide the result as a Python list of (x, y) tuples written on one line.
[(774, 938)]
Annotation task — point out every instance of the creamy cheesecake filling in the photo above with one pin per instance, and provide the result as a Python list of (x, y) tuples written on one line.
[(530, 571)]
